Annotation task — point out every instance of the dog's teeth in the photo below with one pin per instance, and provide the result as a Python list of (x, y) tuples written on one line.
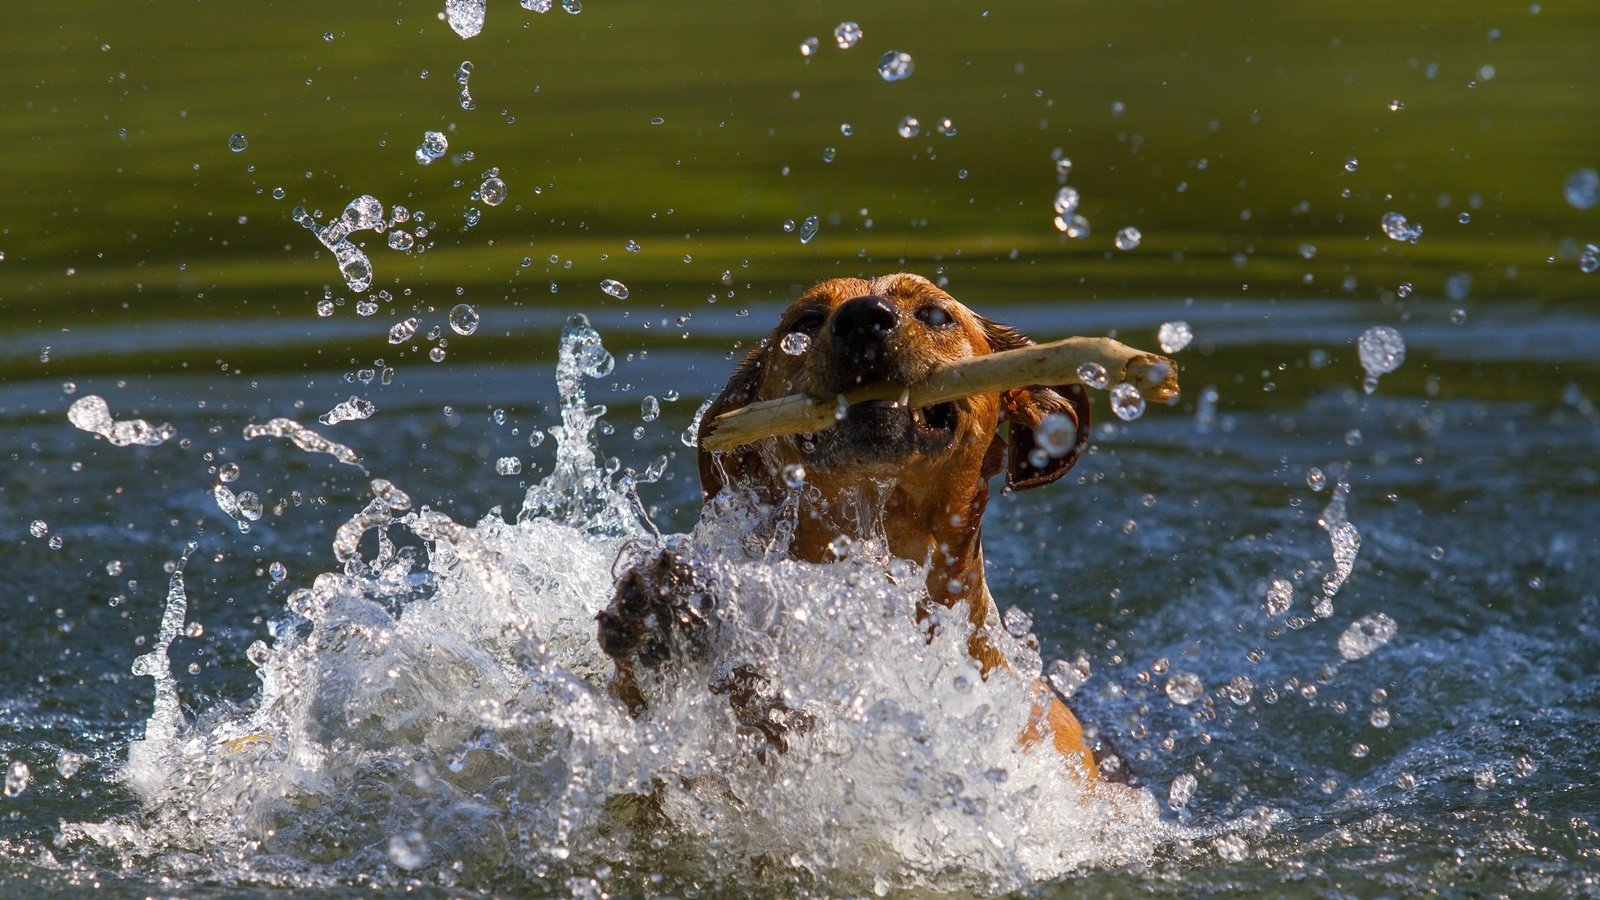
[(917, 417), (905, 398)]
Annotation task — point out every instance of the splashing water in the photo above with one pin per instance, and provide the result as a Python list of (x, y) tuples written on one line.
[(1382, 350), (1346, 540), (896, 65), (354, 409), (304, 438), (1399, 228), (91, 413), (465, 17), (442, 716)]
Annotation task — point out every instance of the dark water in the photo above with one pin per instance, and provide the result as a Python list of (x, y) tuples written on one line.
[(155, 270)]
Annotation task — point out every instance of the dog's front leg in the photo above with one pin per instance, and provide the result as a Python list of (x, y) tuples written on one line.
[(658, 615), (660, 623)]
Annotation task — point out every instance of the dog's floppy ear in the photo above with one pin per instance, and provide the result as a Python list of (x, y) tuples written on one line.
[(740, 391), (1025, 410)]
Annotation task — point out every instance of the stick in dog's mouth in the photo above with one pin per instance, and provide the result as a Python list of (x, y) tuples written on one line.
[(1056, 363)]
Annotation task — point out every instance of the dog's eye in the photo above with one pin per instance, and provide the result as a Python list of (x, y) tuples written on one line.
[(808, 323), (934, 316)]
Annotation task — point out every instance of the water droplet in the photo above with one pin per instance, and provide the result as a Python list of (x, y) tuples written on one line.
[(401, 240), (17, 776), (437, 354), (38, 528), (1458, 316), (1056, 435), (808, 46), (465, 17), (1184, 688), (615, 288), (1239, 689), (1316, 479), (841, 546), (1396, 105), (947, 128), (363, 213), (1382, 351), (1398, 228), (632, 246), (464, 318), (1076, 228), (237, 142), (795, 343), (1366, 634), (1093, 375), (1280, 596), (1351, 164), (408, 851), (650, 408), (1066, 676), (847, 129), (1127, 402), (829, 154), (909, 127), (896, 65), (1017, 621), (1379, 718), (277, 572), (279, 193), (794, 475), (1181, 791), (572, 7), (68, 762), (1066, 202), (353, 265), (1582, 188), (1128, 238), (1464, 218), (538, 6), (492, 192), (434, 145), (1174, 336), (808, 229), (1589, 259), (508, 465), (1404, 290), (402, 331), (846, 35)]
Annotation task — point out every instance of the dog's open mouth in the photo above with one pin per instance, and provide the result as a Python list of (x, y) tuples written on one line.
[(883, 430)]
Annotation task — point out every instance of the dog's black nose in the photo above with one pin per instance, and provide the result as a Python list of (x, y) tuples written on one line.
[(864, 319)]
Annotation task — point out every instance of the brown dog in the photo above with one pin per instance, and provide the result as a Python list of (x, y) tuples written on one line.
[(919, 479)]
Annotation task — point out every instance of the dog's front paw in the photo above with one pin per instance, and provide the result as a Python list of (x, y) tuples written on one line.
[(659, 611)]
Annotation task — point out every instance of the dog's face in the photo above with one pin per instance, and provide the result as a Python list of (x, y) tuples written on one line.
[(849, 332)]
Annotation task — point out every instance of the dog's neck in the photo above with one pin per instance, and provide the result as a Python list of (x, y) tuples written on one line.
[(915, 521)]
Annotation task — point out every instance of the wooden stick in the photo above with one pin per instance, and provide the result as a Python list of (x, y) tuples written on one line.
[(1055, 363)]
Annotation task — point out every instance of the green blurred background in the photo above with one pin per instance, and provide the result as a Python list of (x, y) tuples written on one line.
[(1220, 130)]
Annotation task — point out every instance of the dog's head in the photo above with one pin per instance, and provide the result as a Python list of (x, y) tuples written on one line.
[(898, 329)]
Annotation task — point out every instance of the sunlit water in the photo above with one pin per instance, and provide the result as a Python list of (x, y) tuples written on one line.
[(424, 704)]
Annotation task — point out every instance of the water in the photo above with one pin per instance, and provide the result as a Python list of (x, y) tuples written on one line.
[(505, 603), (1344, 639)]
